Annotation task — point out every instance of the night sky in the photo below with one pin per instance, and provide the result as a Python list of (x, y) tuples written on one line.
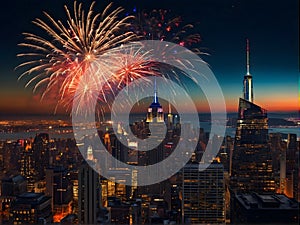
[(271, 26)]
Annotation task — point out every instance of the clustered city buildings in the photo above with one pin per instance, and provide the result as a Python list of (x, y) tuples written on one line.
[(253, 179)]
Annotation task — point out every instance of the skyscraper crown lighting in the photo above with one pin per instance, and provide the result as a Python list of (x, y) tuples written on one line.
[(155, 110)]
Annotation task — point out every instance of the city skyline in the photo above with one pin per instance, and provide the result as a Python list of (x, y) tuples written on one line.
[(163, 149), (223, 27)]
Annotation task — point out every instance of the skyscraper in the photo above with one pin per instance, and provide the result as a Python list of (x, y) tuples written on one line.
[(27, 165), (252, 157), (155, 110), (89, 194), (203, 193), (291, 166), (170, 118), (156, 128), (59, 188), (41, 154)]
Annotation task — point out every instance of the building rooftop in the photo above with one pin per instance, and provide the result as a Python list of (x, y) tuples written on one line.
[(266, 201), (155, 105), (202, 166), (31, 198), (14, 179)]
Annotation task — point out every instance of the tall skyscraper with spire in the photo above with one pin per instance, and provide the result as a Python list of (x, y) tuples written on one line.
[(155, 110), (251, 158), (170, 118), (155, 118)]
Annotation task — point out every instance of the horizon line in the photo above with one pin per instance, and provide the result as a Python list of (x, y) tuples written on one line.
[(9, 114)]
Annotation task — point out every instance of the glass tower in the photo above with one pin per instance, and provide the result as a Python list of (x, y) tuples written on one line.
[(252, 157)]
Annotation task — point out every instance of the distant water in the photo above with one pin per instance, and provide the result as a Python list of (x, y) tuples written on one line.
[(32, 134), (294, 130), (288, 130), (206, 126)]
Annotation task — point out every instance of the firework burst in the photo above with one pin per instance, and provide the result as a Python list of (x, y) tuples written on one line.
[(134, 64), (159, 24), (64, 55), (62, 61)]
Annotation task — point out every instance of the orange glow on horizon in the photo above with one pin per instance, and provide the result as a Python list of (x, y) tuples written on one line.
[(281, 102), (22, 102)]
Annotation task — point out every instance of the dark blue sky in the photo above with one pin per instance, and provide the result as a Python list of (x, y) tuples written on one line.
[(271, 26)]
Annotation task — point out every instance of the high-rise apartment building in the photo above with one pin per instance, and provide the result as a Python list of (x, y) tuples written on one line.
[(203, 193), (89, 194)]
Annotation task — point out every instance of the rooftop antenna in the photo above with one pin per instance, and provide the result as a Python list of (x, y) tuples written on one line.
[(248, 57), (155, 91)]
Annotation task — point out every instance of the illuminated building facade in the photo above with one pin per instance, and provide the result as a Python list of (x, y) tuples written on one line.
[(155, 110), (156, 128), (278, 149), (155, 119), (114, 186), (31, 208), (285, 151), (41, 153), (90, 155), (292, 166), (10, 188), (252, 158), (58, 186), (203, 194), (27, 165), (170, 119)]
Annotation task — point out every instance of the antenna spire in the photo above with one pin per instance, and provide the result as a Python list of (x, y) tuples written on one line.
[(155, 92), (248, 85), (248, 57)]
